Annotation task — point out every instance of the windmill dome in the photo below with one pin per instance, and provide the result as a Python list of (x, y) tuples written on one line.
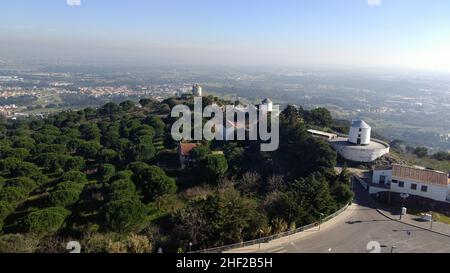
[(360, 133)]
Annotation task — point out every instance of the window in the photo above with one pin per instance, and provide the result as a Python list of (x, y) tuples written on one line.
[(360, 129), (414, 187), (424, 188), (401, 184), (359, 135), (394, 181)]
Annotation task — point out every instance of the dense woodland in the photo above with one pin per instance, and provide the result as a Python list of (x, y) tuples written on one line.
[(110, 179)]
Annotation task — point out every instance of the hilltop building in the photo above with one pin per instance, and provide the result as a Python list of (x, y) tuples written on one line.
[(358, 146), (197, 90), (184, 153), (360, 133), (412, 180), (267, 105)]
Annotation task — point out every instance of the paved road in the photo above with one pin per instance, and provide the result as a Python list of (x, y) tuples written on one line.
[(353, 230)]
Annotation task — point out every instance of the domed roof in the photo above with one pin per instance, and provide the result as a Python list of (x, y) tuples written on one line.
[(360, 124), (267, 101)]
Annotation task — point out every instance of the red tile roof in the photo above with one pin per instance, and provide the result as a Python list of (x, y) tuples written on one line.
[(186, 148), (420, 175)]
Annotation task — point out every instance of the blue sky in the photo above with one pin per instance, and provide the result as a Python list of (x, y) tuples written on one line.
[(394, 33)]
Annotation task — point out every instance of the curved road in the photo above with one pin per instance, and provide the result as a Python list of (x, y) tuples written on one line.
[(352, 231)]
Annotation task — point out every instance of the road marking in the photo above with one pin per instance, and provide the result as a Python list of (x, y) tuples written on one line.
[(276, 250)]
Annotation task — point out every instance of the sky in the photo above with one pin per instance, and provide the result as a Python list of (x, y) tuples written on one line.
[(370, 33)]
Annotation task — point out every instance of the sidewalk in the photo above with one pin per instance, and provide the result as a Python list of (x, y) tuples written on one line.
[(415, 221)]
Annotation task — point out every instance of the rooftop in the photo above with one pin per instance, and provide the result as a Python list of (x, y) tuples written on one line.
[(420, 175), (186, 148), (360, 124)]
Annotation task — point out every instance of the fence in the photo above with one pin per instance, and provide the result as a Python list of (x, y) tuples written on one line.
[(272, 237)]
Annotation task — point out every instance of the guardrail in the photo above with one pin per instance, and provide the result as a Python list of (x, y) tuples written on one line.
[(272, 237)]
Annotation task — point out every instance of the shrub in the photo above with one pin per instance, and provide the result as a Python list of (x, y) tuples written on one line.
[(18, 243)]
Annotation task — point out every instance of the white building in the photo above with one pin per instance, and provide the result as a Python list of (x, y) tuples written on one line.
[(324, 135), (267, 105), (360, 133), (358, 146), (197, 90), (414, 181)]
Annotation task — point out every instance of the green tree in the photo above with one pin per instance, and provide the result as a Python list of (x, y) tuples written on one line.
[(73, 163), (5, 210), (75, 176), (89, 131), (23, 142), (143, 152), (107, 156), (200, 153), (156, 183), (157, 123), (13, 195), (63, 198), (127, 105), (126, 215), (122, 189), (214, 166), (109, 109), (320, 117), (421, 152), (106, 172), (88, 149), (26, 184), (43, 222)]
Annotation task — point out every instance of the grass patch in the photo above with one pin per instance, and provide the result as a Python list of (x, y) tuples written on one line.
[(443, 166), (439, 217)]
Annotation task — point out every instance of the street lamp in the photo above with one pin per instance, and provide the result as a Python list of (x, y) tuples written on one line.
[(190, 246), (320, 221), (260, 236), (392, 249), (431, 220), (403, 196)]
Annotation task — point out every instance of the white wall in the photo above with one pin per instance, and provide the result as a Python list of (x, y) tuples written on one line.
[(377, 173), (359, 155), (434, 192), (365, 135)]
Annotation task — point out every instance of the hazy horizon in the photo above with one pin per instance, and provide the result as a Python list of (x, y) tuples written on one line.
[(386, 34)]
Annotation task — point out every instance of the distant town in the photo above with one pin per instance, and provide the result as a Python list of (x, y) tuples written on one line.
[(409, 108)]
